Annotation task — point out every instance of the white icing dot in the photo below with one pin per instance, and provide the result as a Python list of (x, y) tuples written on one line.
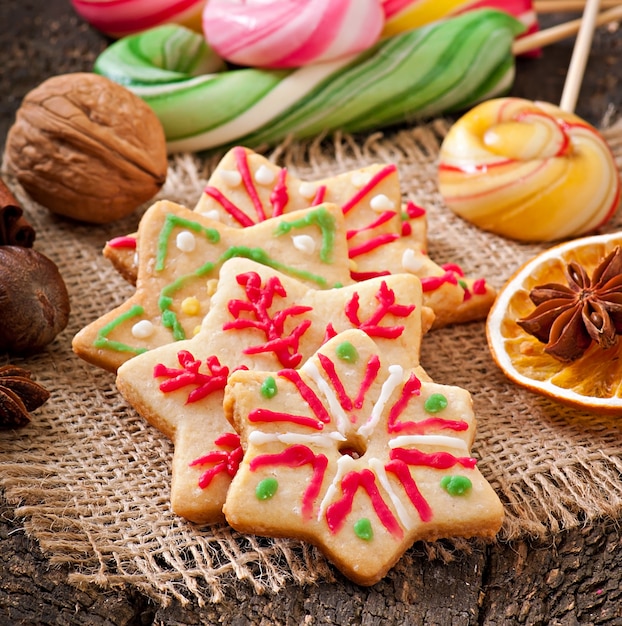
[(212, 214), (360, 179), (304, 243), (412, 262), (142, 329), (264, 175), (307, 190), (381, 203), (232, 178), (185, 241)]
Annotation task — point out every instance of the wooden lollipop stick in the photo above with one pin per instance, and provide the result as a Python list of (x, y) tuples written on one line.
[(580, 54), (560, 6), (561, 31)]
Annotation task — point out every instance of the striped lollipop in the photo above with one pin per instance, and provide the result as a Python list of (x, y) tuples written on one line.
[(442, 67)]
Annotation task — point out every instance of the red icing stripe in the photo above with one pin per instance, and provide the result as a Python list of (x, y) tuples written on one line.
[(430, 283), (265, 415), (225, 460), (297, 456), (384, 217), (375, 180), (436, 460), (122, 242), (333, 377), (320, 194), (247, 179), (337, 511), (279, 196), (426, 425), (235, 212), (412, 387), (401, 471), (372, 244), (307, 394)]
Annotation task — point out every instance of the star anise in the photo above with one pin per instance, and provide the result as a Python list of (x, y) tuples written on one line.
[(19, 395), (568, 318)]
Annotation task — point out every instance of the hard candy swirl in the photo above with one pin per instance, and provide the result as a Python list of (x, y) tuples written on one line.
[(403, 15), (528, 171), (119, 18), (290, 33), (442, 67)]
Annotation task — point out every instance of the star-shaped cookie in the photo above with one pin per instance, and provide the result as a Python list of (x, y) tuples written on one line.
[(383, 235), (259, 319), (245, 188), (180, 254), (358, 455)]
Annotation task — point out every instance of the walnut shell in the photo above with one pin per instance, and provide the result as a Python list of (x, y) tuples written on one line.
[(34, 302), (87, 148)]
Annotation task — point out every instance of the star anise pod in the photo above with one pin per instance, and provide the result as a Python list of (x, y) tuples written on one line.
[(568, 318), (19, 395)]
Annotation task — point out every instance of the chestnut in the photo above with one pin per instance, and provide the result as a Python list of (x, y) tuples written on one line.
[(34, 302)]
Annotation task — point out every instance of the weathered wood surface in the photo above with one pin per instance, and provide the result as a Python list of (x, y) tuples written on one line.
[(574, 578)]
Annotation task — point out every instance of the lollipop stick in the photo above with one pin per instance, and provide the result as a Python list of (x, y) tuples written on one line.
[(561, 31), (561, 6), (580, 54)]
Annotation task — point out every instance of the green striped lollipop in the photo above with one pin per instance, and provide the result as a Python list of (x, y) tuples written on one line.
[(447, 66)]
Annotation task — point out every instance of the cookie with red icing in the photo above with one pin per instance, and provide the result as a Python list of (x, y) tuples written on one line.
[(245, 188), (384, 234), (358, 455), (180, 253), (259, 318)]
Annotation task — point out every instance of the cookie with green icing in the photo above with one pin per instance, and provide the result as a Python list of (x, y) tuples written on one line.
[(385, 233), (180, 253)]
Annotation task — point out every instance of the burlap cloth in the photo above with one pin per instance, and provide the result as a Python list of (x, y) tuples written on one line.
[(91, 479)]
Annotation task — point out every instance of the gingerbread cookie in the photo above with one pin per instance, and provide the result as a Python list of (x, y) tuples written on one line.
[(357, 455), (259, 318), (180, 254)]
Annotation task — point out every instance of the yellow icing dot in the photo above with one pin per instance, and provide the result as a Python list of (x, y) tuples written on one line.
[(196, 330), (191, 305), (211, 286)]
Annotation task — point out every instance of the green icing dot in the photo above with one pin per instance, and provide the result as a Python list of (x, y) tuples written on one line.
[(435, 403), (268, 387), (463, 284), (266, 488), (347, 352), (363, 529), (456, 485)]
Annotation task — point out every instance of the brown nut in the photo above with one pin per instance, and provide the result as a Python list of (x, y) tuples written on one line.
[(87, 148), (34, 303)]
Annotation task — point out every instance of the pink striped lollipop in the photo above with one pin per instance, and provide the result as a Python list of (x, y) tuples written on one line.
[(290, 33), (118, 18)]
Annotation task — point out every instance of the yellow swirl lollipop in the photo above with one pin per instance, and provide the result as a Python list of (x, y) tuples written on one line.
[(528, 171)]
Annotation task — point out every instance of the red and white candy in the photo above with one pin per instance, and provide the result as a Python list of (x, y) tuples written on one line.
[(290, 33)]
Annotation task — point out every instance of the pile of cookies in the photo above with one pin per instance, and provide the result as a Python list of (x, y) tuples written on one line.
[(274, 337)]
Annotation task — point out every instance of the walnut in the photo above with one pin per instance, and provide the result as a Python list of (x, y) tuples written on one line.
[(87, 148)]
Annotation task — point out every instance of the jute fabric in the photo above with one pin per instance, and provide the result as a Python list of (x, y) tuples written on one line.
[(90, 478)]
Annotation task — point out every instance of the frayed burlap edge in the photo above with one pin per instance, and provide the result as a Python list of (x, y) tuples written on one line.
[(90, 478)]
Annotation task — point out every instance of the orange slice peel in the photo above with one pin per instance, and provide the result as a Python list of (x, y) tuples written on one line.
[(592, 382)]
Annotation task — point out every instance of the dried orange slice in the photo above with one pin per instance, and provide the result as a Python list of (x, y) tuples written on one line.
[(594, 381)]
